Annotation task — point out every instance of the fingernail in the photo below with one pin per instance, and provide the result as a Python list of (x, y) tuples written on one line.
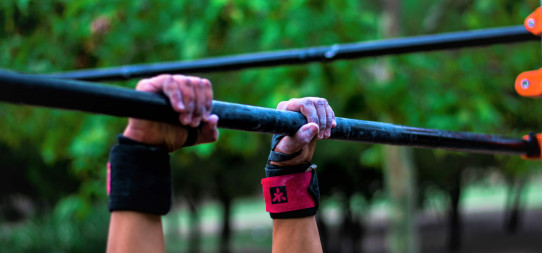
[(311, 131)]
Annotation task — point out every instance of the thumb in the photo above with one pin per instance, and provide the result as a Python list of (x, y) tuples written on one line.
[(208, 132), (303, 136)]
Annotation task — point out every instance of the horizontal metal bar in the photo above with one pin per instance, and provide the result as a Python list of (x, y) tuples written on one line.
[(116, 101), (442, 41)]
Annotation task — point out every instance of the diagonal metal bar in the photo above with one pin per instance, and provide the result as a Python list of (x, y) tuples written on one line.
[(122, 102), (454, 40)]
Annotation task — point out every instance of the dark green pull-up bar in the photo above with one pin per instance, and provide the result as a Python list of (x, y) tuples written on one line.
[(122, 102)]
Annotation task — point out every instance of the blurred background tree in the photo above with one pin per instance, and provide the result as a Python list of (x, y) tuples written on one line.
[(54, 161)]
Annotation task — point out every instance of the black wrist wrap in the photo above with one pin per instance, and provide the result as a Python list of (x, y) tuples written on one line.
[(140, 178), (274, 170)]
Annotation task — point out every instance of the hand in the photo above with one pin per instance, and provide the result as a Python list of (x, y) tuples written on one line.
[(320, 120), (190, 96)]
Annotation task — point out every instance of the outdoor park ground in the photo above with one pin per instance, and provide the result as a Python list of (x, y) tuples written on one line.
[(482, 208)]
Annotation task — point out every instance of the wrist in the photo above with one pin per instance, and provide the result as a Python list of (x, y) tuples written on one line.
[(291, 187), (140, 135), (289, 158), (152, 134), (291, 192)]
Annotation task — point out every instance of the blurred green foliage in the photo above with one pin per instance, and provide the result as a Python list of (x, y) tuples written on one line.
[(462, 90)]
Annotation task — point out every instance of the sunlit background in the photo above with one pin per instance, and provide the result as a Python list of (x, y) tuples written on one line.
[(52, 162)]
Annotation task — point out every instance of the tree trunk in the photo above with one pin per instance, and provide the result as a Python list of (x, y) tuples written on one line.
[(454, 215), (398, 165), (400, 179), (514, 210), (351, 234), (225, 235), (194, 236)]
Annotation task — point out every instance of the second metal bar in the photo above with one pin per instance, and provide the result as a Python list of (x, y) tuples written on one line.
[(422, 43)]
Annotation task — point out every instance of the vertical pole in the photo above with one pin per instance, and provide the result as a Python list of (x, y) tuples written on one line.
[(398, 168)]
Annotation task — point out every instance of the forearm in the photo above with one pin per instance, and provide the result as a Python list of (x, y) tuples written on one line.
[(135, 232), (139, 176), (296, 235)]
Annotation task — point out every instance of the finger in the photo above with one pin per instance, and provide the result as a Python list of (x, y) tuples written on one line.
[(145, 85), (172, 90), (306, 107), (199, 102), (209, 131), (303, 136), (208, 91), (329, 121), (188, 98), (322, 118), (282, 105)]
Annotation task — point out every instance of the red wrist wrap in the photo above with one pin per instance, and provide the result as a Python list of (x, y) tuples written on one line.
[(287, 193)]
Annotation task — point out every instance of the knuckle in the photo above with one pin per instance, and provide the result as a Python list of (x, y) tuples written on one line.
[(188, 82), (206, 84), (320, 102), (169, 87), (201, 86)]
